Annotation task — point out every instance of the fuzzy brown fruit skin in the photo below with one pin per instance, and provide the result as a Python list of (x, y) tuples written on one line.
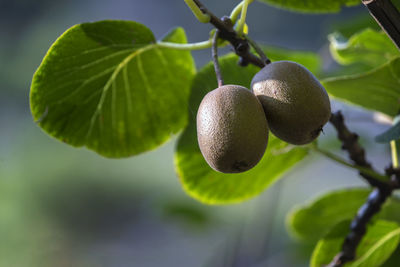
[(295, 103), (232, 130)]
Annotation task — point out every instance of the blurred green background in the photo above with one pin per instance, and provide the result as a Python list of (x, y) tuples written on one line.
[(61, 206)]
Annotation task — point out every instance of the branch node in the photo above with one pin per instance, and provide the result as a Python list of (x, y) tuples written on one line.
[(226, 32), (227, 22), (377, 197), (242, 62)]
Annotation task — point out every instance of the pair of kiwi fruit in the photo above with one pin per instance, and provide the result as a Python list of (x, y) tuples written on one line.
[(233, 123)]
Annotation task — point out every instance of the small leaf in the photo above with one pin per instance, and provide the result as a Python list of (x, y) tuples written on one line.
[(370, 47), (109, 87), (393, 133), (375, 248), (311, 222), (209, 186), (314, 6), (376, 90), (309, 60)]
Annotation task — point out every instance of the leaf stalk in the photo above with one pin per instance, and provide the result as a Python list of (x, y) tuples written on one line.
[(197, 12)]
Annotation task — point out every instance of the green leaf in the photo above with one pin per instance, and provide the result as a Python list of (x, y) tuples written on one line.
[(312, 221), (353, 24), (393, 133), (209, 186), (375, 248), (390, 210), (309, 60), (109, 87), (370, 47), (376, 90), (314, 6)]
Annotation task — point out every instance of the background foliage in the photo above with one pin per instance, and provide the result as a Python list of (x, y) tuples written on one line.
[(127, 195)]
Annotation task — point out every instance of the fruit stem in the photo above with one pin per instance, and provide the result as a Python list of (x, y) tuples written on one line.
[(367, 171), (259, 51), (197, 12), (214, 54)]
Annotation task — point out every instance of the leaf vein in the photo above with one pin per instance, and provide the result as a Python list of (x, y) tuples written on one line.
[(112, 78)]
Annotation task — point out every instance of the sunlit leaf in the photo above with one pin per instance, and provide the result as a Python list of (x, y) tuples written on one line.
[(370, 47), (109, 87)]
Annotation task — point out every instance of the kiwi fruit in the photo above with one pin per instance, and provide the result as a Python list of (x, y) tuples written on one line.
[(295, 103), (232, 129)]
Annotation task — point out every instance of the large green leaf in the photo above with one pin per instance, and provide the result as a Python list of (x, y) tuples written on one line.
[(370, 47), (376, 90), (375, 248), (209, 186), (312, 221), (314, 6), (109, 87)]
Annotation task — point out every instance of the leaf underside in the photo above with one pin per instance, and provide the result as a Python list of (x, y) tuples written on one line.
[(312, 6), (376, 90)]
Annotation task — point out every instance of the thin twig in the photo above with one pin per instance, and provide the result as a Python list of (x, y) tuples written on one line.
[(259, 51), (367, 171), (214, 54)]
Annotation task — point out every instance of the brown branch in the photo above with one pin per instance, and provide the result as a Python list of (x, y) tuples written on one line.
[(376, 199), (387, 16), (354, 149), (227, 32), (358, 226)]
